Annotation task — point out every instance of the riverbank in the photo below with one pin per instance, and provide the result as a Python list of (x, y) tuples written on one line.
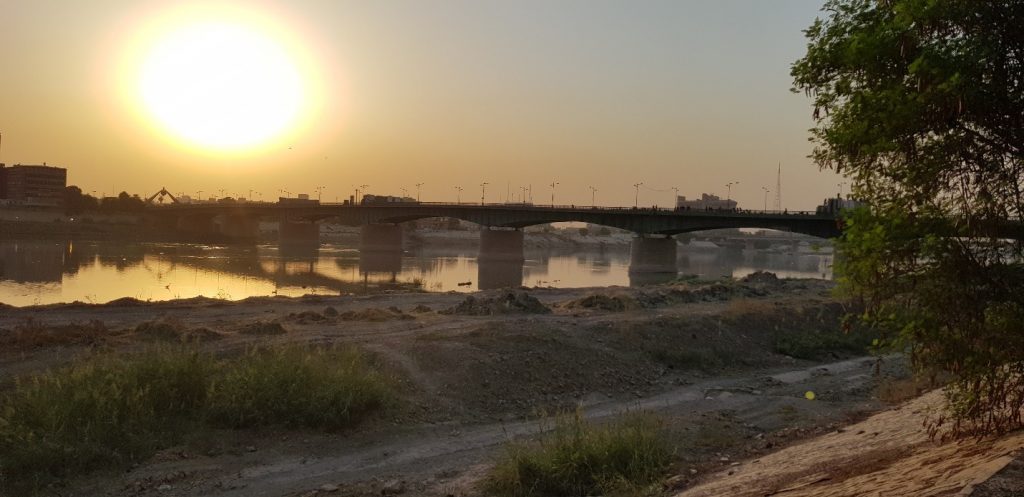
[(726, 365)]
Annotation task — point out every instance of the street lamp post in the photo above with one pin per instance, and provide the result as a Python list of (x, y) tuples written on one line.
[(636, 199), (766, 190), (418, 185), (553, 185), (523, 196), (483, 192), (319, 192), (458, 194), (840, 185), (675, 199), (358, 188), (728, 191), (593, 191)]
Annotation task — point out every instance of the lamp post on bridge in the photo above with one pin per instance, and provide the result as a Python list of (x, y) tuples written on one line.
[(483, 192), (593, 192), (523, 197), (319, 192), (675, 199), (358, 188), (766, 190), (553, 185), (636, 199), (458, 194), (418, 185), (840, 185), (728, 189)]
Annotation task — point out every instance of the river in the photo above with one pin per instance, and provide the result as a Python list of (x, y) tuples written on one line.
[(45, 272)]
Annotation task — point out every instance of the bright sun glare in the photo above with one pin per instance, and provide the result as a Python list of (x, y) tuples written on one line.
[(220, 85)]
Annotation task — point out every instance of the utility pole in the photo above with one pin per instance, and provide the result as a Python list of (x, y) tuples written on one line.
[(458, 194), (675, 199), (418, 185), (199, 194), (483, 192), (766, 190), (523, 197), (593, 192), (636, 199), (553, 185)]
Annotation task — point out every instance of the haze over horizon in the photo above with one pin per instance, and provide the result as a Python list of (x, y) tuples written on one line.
[(606, 94)]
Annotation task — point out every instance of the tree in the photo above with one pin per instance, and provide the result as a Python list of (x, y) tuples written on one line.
[(921, 104)]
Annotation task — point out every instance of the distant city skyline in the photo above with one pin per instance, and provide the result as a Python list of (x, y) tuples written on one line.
[(596, 96)]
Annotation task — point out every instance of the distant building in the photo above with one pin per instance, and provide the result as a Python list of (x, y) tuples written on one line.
[(41, 186), (302, 200), (706, 202)]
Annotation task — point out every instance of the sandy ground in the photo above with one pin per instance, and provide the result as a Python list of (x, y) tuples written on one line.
[(473, 373)]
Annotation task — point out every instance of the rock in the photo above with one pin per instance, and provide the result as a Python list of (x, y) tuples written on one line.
[(328, 487), (165, 487), (392, 487), (250, 448)]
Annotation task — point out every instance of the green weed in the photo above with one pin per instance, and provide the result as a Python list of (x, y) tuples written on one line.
[(578, 458)]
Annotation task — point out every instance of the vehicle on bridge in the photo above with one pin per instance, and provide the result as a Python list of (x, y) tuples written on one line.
[(833, 206)]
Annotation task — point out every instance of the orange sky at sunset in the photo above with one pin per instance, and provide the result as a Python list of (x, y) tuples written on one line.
[(687, 94)]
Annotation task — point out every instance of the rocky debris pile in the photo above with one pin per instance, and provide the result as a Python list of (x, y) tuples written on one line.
[(306, 317), (603, 302), (508, 303), (422, 309)]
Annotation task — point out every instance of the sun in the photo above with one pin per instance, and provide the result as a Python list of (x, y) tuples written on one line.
[(220, 85)]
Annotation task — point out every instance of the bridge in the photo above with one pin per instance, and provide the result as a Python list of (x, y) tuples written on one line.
[(501, 237)]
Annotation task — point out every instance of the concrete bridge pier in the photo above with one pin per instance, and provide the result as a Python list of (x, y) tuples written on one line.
[(298, 232), (381, 238), (652, 255), (239, 227), (505, 245)]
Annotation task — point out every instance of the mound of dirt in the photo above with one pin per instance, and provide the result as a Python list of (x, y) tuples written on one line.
[(512, 302), (263, 328), (603, 302), (330, 312), (375, 314), (160, 329), (125, 302), (422, 309), (201, 335), (305, 317), (32, 333), (762, 278)]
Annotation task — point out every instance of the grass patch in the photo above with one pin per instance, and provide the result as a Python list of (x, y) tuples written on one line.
[(112, 410), (815, 344), (108, 410), (578, 458), (294, 386)]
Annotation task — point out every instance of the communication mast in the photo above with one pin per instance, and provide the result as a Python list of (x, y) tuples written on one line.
[(778, 190)]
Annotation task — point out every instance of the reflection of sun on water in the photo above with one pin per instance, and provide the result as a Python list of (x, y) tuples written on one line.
[(219, 80)]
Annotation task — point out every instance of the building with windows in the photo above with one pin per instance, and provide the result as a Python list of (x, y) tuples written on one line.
[(31, 185), (705, 202)]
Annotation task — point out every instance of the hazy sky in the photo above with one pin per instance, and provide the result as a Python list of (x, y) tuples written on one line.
[(688, 94)]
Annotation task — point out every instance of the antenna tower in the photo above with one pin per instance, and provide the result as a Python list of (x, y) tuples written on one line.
[(778, 190)]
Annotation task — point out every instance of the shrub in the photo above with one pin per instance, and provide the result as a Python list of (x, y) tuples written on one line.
[(814, 344), (297, 386), (578, 458)]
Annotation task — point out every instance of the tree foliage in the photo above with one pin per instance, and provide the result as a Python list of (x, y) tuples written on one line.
[(920, 103)]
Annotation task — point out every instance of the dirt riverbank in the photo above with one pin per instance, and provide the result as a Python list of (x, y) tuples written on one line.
[(727, 365)]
